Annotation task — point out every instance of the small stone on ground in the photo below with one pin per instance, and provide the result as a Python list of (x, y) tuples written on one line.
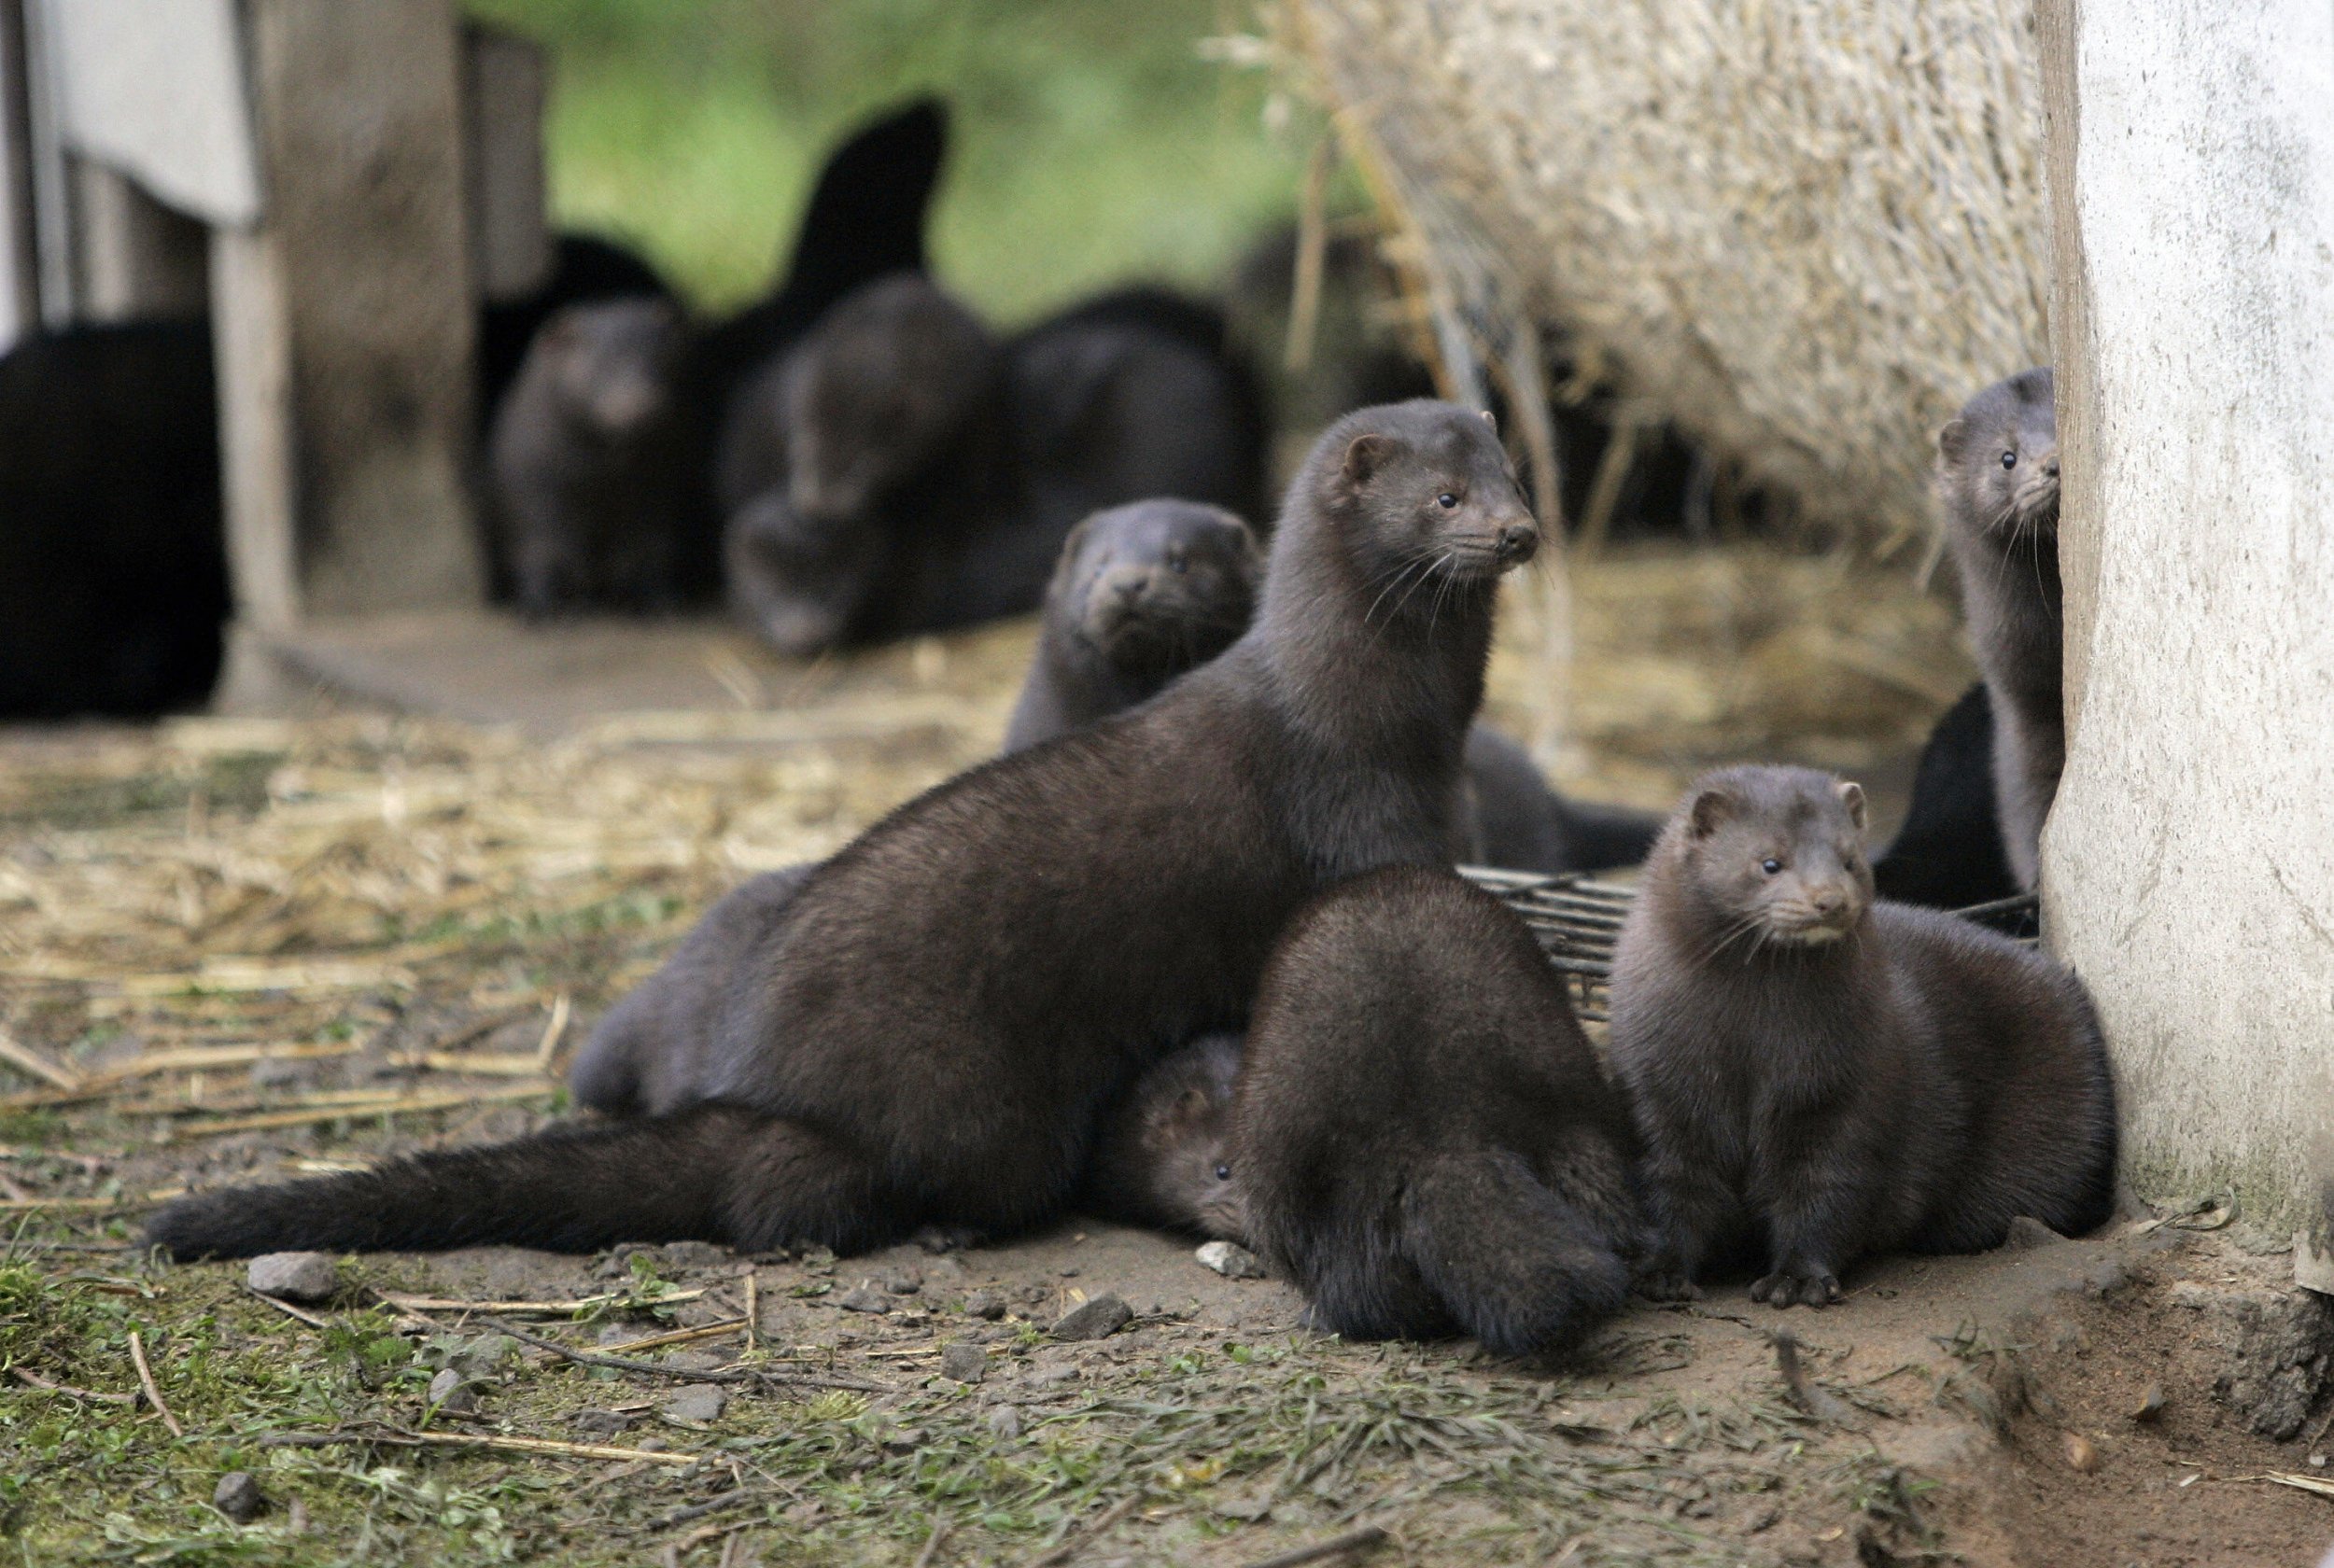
[(295, 1276), (1005, 1423), (699, 1404), (238, 1497), (864, 1298), (987, 1303), (451, 1393), (1097, 1319), (1230, 1259), (965, 1362)]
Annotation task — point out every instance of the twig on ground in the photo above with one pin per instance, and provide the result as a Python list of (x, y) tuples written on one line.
[(25, 1059), (754, 1313), (676, 1336), (932, 1544), (457, 1304), (1336, 1545), (552, 1033), (34, 1380), (398, 1436), (146, 1381), (286, 1309), (1819, 1403)]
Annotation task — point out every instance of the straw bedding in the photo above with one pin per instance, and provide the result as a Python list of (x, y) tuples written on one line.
[(1806, 229)]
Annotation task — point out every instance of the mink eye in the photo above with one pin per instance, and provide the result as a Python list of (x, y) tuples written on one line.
[(1446, 500), (2009, 459), (1178, 563), (1771, 865), (1223, 1172)]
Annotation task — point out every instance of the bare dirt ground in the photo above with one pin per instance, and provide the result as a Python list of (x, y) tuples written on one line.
[(238, 949)]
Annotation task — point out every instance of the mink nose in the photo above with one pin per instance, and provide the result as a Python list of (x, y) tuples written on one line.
[(1518, 541), (1828, 901)]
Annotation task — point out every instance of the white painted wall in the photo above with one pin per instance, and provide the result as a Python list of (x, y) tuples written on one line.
[(2189, 866)]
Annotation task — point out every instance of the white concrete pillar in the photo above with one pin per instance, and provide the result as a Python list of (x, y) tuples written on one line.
[(2188, 864)]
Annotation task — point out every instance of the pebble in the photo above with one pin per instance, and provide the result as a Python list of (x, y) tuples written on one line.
[(985, 1304), (295, 1276), (2082, 1453), (482, 1355), (238, 1497), (1230, 1259), (1005, 1423), (2151, 1404), (451, 1393), (2027, 1233), (900, 1281), (864, 1298), (966, 1363), (699, 1403), (1098, 1318), (604, 1423)]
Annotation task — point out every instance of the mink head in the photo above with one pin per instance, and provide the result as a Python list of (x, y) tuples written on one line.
[(613, 363), (1158, 587), (1187, 1138), (875, 392), (1998, 463), (1776, 854), (1425, 497), (797, 582)]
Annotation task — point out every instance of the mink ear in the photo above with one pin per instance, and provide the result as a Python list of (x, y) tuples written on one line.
[(1365, 456), (1953, 439), (1712, 808), (1851, 795), (1191, 1106), (1490, 421)]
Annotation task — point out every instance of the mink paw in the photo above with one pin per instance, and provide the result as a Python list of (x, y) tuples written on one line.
[(1666, 1284), (1782, 1289)]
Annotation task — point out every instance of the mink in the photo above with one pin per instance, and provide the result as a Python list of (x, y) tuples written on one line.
[(1819, 1076), (953, 997), (1998, 486), (1422, 1138)]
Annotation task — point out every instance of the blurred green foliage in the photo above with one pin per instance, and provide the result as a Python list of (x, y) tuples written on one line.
[(1092, 142)]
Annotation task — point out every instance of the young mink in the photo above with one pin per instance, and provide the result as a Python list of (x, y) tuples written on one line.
[(1819, 1076), (1145, 592), (1142, 593), (591, 503), (1421, 1134), (931, 1034), (1162, 1152), (1998, 485)]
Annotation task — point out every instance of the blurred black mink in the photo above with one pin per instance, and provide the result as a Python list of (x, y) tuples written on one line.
[(591, 497)]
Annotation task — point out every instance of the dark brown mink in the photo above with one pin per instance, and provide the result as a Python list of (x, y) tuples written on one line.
[(837, 460), (590, 502), (1142, 594), (1422, 1138), (1162, 1152), (649, 1054), (954, 996), (1819, 1076), (1998, 485), (1145, 592)]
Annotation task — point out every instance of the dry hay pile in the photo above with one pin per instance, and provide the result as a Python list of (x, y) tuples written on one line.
[(1805, 230)]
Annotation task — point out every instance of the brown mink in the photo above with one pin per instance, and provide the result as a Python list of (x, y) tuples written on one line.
[(1161, 1155), (1997, 483), (1420, 1135), (1142, 594), (1819, 1076), (932, 1034), (591, 504), (1147, 591)]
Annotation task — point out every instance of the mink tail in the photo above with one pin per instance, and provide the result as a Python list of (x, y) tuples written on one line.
[(712, 1172), (1514, 1263), (1599, 837)]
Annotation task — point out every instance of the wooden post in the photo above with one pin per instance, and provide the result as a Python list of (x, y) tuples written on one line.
[(345, 323), (2188, 862), (132, 257), (20, 294)]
